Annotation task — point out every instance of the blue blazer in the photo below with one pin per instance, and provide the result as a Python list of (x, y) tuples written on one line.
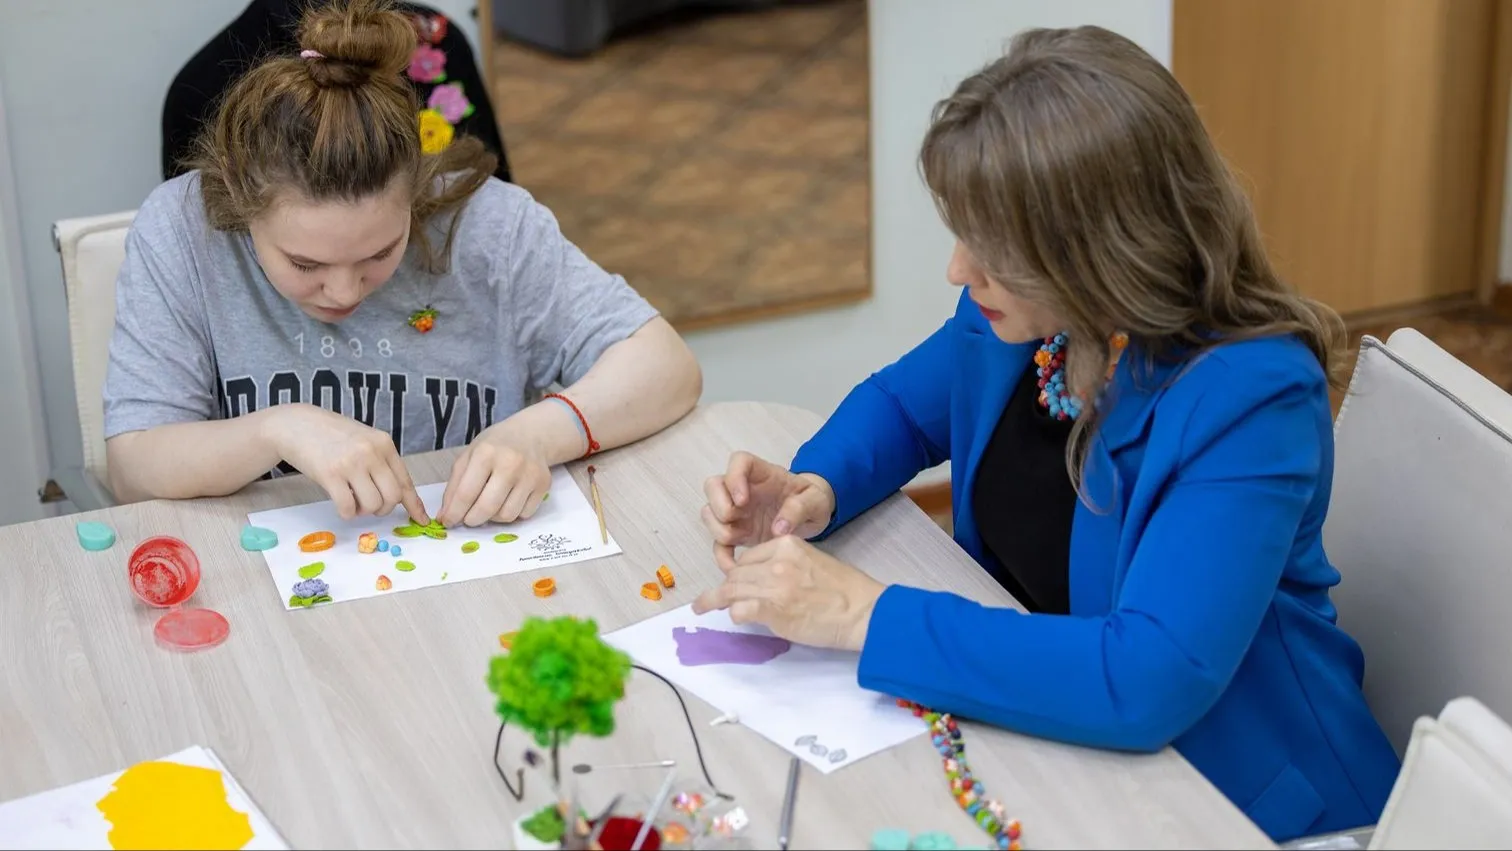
[(1200, 615)]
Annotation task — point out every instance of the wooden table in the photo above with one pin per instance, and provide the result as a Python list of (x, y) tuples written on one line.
[(368, 723)]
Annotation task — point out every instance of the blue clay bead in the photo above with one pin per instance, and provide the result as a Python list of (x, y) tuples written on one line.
[(95, 536), (396, 550), (933, 841), (889, 839), (382, 545), (256, 539)]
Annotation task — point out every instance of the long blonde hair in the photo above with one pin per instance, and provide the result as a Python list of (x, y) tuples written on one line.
[(1076, 170), (337, 123)]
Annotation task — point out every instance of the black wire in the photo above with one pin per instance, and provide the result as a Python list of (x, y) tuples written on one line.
[(692, 731), (519, 795)]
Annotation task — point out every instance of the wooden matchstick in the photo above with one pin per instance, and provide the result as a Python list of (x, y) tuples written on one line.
[(598, 505)]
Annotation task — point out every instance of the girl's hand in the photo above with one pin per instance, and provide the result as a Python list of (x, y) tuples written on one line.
[(357, 465), (756, 500), (494, 481), (797, 591)]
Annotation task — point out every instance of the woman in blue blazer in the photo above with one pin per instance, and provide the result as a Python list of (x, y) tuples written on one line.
[(1164, 538)]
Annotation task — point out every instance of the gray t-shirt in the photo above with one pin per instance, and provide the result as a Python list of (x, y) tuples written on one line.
[(201, 334)]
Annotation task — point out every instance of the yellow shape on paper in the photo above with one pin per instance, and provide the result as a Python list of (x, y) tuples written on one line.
[(166, 805)]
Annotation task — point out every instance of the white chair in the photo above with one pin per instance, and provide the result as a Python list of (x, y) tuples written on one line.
[(1420, 527), (92, 250), (1455, 790)]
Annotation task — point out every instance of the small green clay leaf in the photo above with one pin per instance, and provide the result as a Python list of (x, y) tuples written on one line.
[(437, 534), (410, 531), (310, 571), (323, 598), (505, 538), (545, 496), (470, 547), (405, 566), (443, 576)]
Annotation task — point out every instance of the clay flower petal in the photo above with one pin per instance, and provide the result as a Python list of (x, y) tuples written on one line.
[(427, 64), (449, 100)]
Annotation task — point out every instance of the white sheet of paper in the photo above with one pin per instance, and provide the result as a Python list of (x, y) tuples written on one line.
[(68, 817), (564, 530), (805, 700)]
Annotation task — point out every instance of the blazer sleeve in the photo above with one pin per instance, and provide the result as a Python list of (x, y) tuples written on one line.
[(887, 430), (1202, 576)]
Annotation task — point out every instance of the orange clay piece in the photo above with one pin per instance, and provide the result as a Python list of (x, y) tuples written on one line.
[(674, 833), (367, 542), (384, 583), (317, 541), (650, 591), (544, 587), (506, 639), (665, 575)]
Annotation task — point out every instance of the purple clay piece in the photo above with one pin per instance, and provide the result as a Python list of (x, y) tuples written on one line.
[(718, 647), (532, 758), (311, 588)]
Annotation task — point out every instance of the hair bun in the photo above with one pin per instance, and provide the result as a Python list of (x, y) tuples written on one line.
[(356, 40)]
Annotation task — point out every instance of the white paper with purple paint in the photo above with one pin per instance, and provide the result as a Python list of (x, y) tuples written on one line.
[(804, 699)]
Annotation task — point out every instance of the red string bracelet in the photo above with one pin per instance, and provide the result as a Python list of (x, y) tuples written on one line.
[(593, 445)]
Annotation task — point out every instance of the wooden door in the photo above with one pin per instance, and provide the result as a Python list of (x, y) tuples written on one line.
[(1361, 128)]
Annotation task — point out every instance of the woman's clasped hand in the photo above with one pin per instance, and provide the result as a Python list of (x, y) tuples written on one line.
[(782, 581)]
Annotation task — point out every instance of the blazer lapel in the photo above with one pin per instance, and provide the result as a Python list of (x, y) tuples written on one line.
[(1096, 534)]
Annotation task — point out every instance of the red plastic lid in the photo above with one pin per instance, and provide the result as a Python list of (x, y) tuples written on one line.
[(191, 629), (164, 571)]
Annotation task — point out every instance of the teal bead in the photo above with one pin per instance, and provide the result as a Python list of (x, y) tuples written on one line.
[(95, 536), (933, 841), (889, 839), (255, 539)]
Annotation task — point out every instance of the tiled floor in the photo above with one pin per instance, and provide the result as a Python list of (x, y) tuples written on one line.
[(719, 162), (1481, 337)]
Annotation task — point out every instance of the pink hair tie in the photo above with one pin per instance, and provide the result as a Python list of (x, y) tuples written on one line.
[(311, 54)]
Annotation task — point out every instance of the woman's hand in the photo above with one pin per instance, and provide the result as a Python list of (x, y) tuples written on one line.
[(797, 591), (494, 480), (357, 465), (756, 500)]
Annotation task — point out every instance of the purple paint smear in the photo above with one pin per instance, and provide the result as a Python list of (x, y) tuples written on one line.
[(717, 647)]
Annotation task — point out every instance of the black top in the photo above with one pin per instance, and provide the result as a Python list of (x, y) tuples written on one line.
[(268, 27), (1023, 501)]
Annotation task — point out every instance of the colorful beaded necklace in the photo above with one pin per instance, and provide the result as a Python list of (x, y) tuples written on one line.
[(965, 788), (1051, 363)]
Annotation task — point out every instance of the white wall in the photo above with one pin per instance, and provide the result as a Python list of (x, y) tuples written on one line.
[(920, 51), (23, 462)]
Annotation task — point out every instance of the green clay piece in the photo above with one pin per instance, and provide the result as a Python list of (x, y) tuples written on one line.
[(434, 530), (505, 538), (443, 576), (255, 539), (546, 824), (306, 602), (95, 536), (545, 496), (410, 531), (470, 547), (310, 571), (405, 566)]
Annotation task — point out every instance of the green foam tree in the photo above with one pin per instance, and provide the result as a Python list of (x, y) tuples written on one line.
[(559, 680)]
